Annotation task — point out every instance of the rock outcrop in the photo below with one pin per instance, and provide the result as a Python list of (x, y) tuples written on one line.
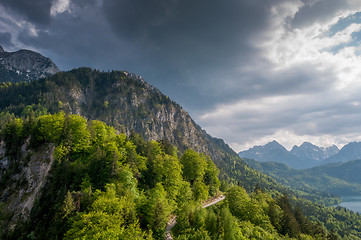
[(26, 177), (24, 65)]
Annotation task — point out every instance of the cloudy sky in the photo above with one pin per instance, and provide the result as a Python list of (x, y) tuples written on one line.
[(248, 71)]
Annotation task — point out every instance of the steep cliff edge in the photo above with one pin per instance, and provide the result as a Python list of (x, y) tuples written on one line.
[(24, 177)]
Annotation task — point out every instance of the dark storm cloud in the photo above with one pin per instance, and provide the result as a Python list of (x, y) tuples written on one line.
[(79, 39), (194, 44), (5, 39), (36, 11), (186, 33)]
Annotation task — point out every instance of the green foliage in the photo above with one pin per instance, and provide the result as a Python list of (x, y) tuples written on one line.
[(211, 177), (248, 209), (69, 204), (111, 217), (77, 133), (229, 224), (156, 210), (49, 128), (194, 166), (201, 173), (200, 190), (14, 136)]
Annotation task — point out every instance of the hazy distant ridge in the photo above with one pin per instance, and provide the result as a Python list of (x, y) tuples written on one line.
[(304, 156)]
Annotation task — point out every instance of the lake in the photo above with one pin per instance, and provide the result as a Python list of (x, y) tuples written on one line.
[(351, 202)]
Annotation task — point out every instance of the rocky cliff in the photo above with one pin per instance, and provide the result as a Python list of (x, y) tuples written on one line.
[(26, 176)]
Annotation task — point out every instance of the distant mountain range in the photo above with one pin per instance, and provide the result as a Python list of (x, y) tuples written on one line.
[(24, 65), (305, 156)]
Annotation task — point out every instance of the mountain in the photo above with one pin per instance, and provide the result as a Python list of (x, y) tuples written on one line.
[(24, 65), (351, 151), (310, 151), (120, 99), (272, 151), (130, 105), (275, 152), (335, 178), (305, 156)]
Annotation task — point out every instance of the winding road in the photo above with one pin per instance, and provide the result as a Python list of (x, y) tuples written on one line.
[(171, 223)]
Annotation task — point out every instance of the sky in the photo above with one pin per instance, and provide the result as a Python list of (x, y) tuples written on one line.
[(247, 71)]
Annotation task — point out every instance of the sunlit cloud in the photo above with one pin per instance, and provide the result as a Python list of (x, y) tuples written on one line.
[(60, 6)]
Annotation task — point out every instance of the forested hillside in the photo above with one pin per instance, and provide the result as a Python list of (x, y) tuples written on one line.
[(90, 161), (122, 186), (104, 185), (335, 178), (118, 98)]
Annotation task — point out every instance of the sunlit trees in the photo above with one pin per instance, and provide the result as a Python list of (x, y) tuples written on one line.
[(111, 217)]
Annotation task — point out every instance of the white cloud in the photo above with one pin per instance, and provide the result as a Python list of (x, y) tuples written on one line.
[(60, 6)]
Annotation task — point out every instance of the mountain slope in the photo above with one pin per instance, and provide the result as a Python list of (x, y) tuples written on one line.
[(120, 99), (351, 151), (347, 171), (24, 65), (336, 178)]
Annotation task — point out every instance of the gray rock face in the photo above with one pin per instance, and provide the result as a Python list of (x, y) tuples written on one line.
[(24, 188), (24, 65), (308, 150)]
